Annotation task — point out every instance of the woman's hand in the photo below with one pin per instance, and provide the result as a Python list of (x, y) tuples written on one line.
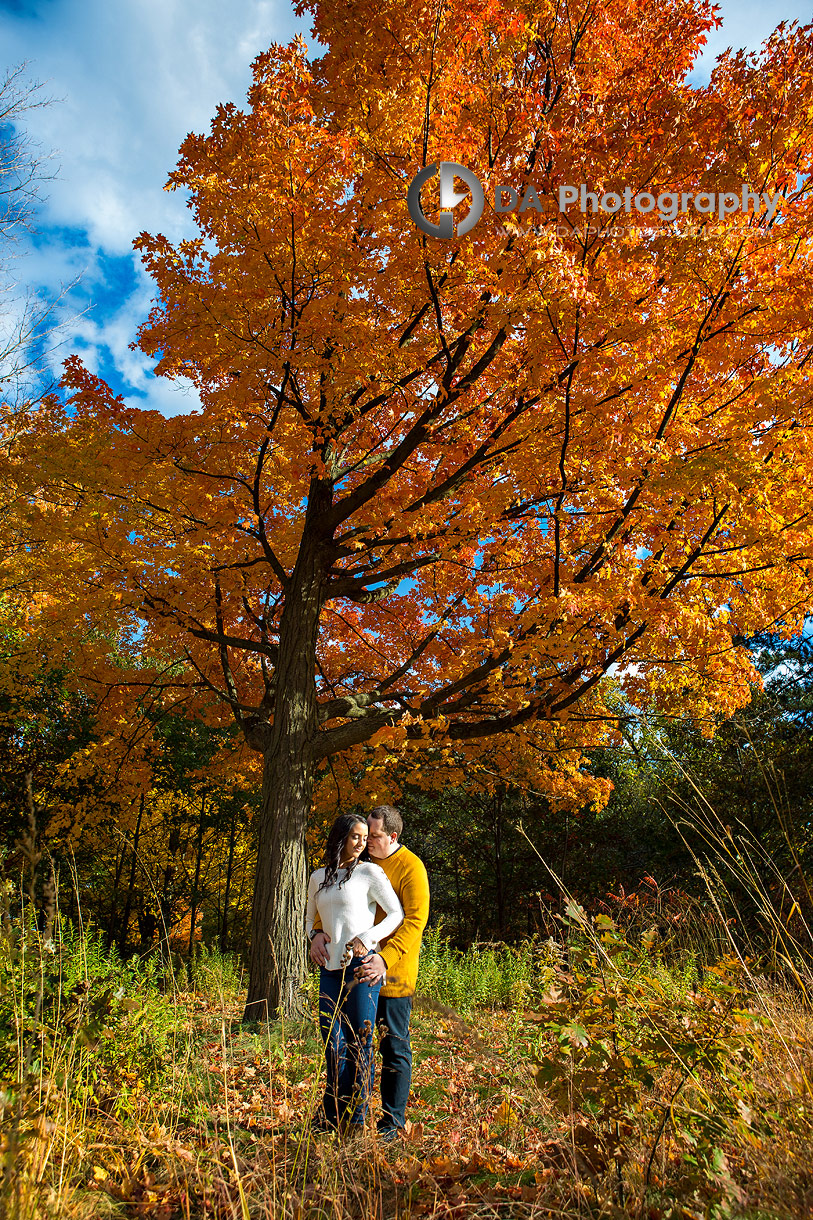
[(354, 948)]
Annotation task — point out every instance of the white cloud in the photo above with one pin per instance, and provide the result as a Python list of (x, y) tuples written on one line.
[(107, 339), (130, 79)]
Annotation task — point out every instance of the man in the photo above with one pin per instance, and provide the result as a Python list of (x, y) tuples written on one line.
[(397, 957)]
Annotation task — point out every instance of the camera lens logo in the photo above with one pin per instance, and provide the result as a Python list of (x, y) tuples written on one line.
[(449, 170)]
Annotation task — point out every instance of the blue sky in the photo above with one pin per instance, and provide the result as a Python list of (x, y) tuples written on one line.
[(129, 79)]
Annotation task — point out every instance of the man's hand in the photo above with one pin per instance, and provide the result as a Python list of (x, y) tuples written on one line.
[(372, 969), (319, 950)]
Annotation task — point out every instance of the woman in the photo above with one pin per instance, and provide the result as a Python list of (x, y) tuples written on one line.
[(344, 894)]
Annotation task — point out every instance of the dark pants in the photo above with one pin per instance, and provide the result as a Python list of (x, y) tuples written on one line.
[(347, 1014), (392, 1019)]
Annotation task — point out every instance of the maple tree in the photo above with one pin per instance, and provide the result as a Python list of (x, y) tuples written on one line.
[(438, 490)]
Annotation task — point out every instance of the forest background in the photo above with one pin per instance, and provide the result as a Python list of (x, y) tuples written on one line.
[(176, 866)]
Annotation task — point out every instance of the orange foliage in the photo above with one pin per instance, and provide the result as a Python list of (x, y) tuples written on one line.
[(440, 490)]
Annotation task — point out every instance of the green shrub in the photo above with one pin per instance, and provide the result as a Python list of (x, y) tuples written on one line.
[(72, 1012), (612, 1029), (214, 975), (494, 976)]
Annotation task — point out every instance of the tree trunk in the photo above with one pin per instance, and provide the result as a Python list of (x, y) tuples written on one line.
[(497, 808), (112, 929), (237, 904), (278, 944), (224, 926), (193, 913), (457, 900), (128, 902)]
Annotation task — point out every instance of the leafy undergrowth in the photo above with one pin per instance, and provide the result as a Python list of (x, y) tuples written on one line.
[(588, 1082)]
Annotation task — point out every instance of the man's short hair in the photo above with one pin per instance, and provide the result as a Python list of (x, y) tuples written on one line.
[(389, 815)]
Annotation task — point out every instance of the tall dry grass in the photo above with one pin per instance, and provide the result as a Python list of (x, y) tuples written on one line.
[(652, 1059)]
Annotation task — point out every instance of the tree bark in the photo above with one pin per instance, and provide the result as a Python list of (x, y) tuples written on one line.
[(128, 902), (224, 926), (278, 944), (193, 912)]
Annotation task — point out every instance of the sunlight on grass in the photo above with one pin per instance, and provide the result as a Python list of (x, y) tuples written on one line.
[(624, 1066)]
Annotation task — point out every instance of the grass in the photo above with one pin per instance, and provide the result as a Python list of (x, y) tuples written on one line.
[(491, 976), (152, 1100), (639, 1063)]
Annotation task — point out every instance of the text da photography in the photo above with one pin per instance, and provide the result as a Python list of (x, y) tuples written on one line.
[(667, 205)]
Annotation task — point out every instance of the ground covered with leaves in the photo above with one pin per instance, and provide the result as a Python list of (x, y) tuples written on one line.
[(578, 1078)]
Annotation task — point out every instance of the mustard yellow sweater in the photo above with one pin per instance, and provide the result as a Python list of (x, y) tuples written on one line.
[(400, 951)]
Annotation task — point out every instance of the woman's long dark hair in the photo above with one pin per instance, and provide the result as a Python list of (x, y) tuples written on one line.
[(334, 848)]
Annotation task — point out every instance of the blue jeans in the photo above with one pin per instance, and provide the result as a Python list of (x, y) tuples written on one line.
[(396, 1057), (347, 1012)]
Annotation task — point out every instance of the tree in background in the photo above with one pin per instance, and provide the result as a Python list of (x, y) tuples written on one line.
[(147, 843), (439, 489), (43, 724), (26, 323), (498, 859), (753, 785), (488, 850), (44, 719)]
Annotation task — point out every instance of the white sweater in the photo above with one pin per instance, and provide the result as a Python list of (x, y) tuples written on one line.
[(349, 910)]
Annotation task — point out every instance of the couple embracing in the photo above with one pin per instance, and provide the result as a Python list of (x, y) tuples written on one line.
[(367, 909)]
